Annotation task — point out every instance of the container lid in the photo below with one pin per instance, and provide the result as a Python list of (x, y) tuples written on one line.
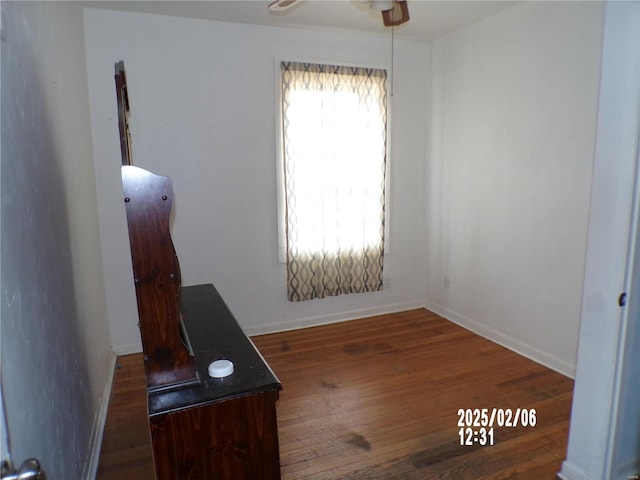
[(220, 368)]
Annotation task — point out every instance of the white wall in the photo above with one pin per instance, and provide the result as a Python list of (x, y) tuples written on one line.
[(203, 113), (514, 115), (55, 339)]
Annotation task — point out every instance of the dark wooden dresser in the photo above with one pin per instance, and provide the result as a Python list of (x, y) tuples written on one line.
[(222, 428), (202, 428)]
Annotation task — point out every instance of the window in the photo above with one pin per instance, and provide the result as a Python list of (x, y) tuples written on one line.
[(334, 150)]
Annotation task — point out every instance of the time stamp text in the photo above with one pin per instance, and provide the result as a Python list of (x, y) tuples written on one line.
[(477, 424)]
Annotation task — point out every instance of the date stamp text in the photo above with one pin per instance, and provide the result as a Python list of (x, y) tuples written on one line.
[(477, 425)]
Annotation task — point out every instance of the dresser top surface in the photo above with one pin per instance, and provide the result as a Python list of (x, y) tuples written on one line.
[(214, 334)]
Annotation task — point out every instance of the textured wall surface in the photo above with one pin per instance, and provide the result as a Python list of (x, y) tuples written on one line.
[(55, 339)]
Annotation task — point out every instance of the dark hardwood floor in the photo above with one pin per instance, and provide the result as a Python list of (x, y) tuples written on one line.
[(378, 399)]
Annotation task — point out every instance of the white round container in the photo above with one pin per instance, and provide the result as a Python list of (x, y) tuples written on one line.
[(220, 368)]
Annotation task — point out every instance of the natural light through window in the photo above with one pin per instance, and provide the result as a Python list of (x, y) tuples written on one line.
[(334, 151), (332, 139)]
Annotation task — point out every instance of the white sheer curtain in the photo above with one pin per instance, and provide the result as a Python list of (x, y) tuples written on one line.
[(334, 148)]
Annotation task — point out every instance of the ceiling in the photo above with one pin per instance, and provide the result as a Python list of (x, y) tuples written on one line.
[(429, 19)]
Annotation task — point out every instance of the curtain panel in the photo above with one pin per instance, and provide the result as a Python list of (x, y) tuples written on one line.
[(334, 127)]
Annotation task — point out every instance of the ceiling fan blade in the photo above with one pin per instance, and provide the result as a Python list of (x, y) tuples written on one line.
[(397, 15), (280, 5)]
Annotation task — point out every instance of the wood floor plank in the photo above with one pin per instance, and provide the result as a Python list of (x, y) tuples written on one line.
[(126, 444), (377, 398)]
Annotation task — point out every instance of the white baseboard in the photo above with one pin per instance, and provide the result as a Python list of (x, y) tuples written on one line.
[(506, 341), (481, 329), (332, 318), (127, 349), (97, 430), (570, 472)]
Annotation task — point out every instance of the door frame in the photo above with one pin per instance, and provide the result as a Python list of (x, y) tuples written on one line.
[(613, 212)]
